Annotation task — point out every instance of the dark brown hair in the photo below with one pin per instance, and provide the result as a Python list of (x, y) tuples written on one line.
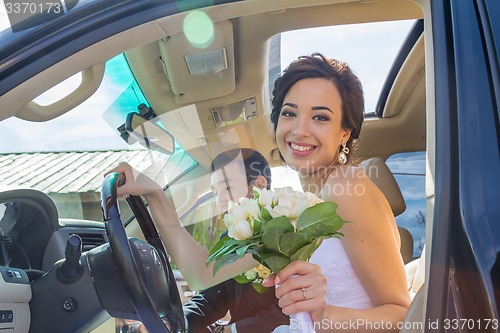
[(318, 66), (255, 164)]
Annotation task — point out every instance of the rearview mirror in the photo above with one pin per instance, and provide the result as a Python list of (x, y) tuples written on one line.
[(149, 134)]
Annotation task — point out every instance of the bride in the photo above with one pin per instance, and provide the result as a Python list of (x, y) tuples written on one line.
[(356, 283)]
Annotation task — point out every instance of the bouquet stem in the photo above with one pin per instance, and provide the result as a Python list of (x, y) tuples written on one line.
[(300, 322)]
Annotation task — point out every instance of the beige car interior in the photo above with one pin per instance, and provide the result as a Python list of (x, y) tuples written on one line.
[(156, 53), (15, 298)]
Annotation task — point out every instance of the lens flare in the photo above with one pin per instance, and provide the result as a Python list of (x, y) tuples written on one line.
[(199, 29)]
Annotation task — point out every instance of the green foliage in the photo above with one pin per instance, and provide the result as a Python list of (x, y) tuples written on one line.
[(242, 279), (320, 220), (275, 243), (276, 262)]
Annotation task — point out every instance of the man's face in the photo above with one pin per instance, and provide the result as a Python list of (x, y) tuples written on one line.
[(229, 183)]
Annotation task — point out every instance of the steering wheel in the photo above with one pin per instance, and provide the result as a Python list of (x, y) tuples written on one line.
[(170, 318)]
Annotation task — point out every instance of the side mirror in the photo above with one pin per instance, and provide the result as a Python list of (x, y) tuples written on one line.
[(149, 134)]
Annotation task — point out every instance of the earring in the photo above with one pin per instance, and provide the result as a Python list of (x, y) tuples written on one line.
[(343, 153)]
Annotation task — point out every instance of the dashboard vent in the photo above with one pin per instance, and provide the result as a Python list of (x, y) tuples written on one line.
[(91, 241)]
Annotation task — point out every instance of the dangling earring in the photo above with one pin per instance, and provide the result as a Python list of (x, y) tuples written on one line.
[(343, 153)]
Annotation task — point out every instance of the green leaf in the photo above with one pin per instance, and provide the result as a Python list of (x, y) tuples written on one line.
[(241, 279), (276, 263), (225, 260), (244, 249), (229, 246), (271, 238), (257, 225), (255, 255), (307, 251), (219, 244), (265, 215), (221, 252), (261, 255), (281, 222), (259, 288), (273, 230), (291, 242), (320, 220)]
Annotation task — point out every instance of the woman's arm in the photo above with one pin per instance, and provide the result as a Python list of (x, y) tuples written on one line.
[(187, 254)]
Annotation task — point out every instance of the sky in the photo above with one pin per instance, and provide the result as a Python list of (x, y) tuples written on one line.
[(369, 49)]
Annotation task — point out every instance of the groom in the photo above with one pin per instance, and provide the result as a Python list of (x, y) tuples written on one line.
[(235, 173)]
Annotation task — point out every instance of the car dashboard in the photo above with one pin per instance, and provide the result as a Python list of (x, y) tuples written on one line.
[(32, 240)]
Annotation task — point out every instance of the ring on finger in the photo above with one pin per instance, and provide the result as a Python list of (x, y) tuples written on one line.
[(303, 293)]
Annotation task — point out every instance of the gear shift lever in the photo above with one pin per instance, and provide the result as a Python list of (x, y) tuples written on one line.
[(71, 269)]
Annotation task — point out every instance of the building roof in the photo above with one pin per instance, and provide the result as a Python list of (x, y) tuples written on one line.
[(66, 172)]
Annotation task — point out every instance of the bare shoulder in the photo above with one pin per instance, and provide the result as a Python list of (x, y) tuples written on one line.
[(350, 183), (359, 200)]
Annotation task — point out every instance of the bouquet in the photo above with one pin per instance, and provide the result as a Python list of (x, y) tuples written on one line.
[(255, 276), (276, 228)]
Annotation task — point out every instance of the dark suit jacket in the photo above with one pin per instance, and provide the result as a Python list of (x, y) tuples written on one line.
[(252, 312)]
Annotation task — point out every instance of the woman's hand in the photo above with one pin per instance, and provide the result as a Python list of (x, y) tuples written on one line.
[(136, 183), (302, 287)]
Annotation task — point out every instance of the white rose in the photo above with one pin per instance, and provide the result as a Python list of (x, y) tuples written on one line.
[(251, 207), (312, 199), (296, 202), (278, 211), (236, 213), (240, 230), (284, 192), (298, 205), (231, 204), (266, 197)]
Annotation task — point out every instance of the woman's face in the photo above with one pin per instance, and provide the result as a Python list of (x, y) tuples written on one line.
[(309, 130)]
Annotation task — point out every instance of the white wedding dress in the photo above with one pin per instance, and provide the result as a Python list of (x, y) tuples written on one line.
[(344, 287)]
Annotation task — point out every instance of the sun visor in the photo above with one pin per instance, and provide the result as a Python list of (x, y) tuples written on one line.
[(199, 62)]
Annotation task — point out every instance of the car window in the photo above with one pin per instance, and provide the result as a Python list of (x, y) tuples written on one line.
[(66, 157), (409, 171), (368, 48)]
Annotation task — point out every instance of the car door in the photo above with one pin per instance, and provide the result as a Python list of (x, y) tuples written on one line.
[(464, 277)]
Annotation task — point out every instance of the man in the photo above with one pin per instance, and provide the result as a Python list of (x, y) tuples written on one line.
[(235, 173)]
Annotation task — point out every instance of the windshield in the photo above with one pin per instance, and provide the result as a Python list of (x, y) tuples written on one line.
[(66, 157)]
